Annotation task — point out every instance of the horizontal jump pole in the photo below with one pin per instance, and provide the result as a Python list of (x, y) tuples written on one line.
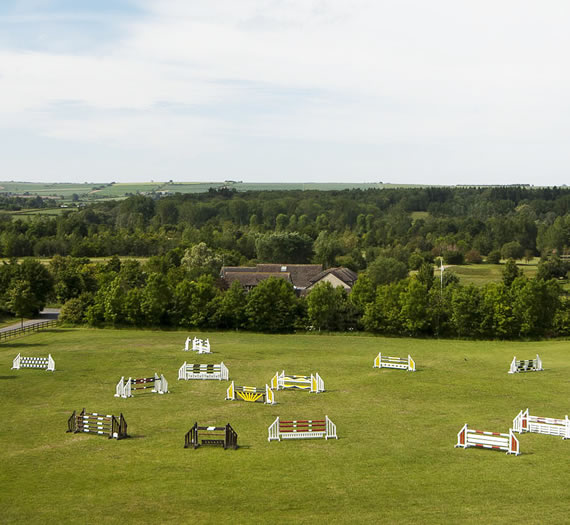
[(305, 421), (467, 437), (400, 363), (301, 429)]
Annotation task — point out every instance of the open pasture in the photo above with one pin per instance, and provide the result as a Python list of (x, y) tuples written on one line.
[(62, 189), (482, 274), (394, 460)]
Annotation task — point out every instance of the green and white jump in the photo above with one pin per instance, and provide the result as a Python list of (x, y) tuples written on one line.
[(203, 371), (526, 365), (401, 363)]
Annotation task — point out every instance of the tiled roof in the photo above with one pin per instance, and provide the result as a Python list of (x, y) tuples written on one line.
[(300, 275), (249, 279)]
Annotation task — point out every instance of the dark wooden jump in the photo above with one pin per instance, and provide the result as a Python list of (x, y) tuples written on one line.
[(225, 437)]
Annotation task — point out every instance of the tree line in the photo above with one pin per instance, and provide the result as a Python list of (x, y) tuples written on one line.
[(182, 289), (349, 228)]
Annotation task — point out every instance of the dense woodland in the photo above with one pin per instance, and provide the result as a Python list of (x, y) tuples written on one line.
[(382, 234)]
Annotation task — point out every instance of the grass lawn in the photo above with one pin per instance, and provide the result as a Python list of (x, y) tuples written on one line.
[(394, 460), (481, 274)]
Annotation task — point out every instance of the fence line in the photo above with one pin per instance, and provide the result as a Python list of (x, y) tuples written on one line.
[(35, 327)]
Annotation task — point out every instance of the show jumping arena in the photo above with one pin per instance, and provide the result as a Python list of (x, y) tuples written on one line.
[(390, 459)]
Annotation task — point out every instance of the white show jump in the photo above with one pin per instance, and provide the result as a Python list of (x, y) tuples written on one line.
[(401, 363), (524, 422), (312, 383), (198, 345), (526, 365), (46, 363), (201, 371), (494, 440), (125, 387), (302, 429)]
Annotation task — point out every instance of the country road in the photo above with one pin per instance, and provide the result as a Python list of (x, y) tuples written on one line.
[(47, 314)]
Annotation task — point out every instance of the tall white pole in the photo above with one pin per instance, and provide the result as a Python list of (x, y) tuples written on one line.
[(441, 275)]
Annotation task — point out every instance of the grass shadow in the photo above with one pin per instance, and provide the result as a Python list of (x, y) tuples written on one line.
[(24, 345)]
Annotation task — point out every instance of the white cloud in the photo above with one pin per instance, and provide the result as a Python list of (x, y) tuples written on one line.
[(364, 72)]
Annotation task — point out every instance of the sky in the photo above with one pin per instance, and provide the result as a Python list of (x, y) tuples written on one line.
[(399, 91)]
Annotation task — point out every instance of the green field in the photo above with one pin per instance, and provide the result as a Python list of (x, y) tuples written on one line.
[(31, 213), (394, 460), (481, 274), (121, 190), (91, 191), (55, 189)]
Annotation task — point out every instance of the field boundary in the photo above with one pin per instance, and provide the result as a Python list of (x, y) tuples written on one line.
[(30, 328)]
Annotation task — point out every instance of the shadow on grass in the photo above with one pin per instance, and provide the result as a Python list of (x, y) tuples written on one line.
[(8, 377), (20, 344)]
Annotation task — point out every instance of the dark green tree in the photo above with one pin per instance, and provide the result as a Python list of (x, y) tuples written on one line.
[(384, 270), (328, 307), (22, 301), (510, 272), (271, 306)]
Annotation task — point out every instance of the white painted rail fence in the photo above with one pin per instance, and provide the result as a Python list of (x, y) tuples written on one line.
[(468, 437), (525, 365), (524, 422), (46, 363), (203, 371), (401, 363), (302, 429)]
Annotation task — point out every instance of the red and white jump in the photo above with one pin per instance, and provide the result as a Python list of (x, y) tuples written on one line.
[(302, 429), (468, 437), (541, 425)]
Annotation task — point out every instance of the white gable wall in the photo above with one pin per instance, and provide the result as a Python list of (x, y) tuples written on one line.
[(335, 281)]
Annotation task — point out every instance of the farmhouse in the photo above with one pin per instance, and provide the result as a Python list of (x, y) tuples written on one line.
[(344, 277), (302, 276)]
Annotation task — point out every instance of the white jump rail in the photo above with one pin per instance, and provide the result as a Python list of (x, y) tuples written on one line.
[(526, 365), (156, 384), (250, 394), (302, 429), (401, 363), (524, 422), (203, 371), (198, 345), (313, 383), (46, 363), (468, 437)]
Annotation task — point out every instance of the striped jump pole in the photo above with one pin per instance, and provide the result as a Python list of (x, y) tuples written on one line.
[(524, 422), (508, 443)]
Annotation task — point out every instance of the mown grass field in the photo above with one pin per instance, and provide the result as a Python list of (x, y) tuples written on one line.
[(481, 274), (47, 189), (394, 460), (29, 214), (122, 189)]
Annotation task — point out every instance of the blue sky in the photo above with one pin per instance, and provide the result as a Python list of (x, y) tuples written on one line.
[(401, 91)]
